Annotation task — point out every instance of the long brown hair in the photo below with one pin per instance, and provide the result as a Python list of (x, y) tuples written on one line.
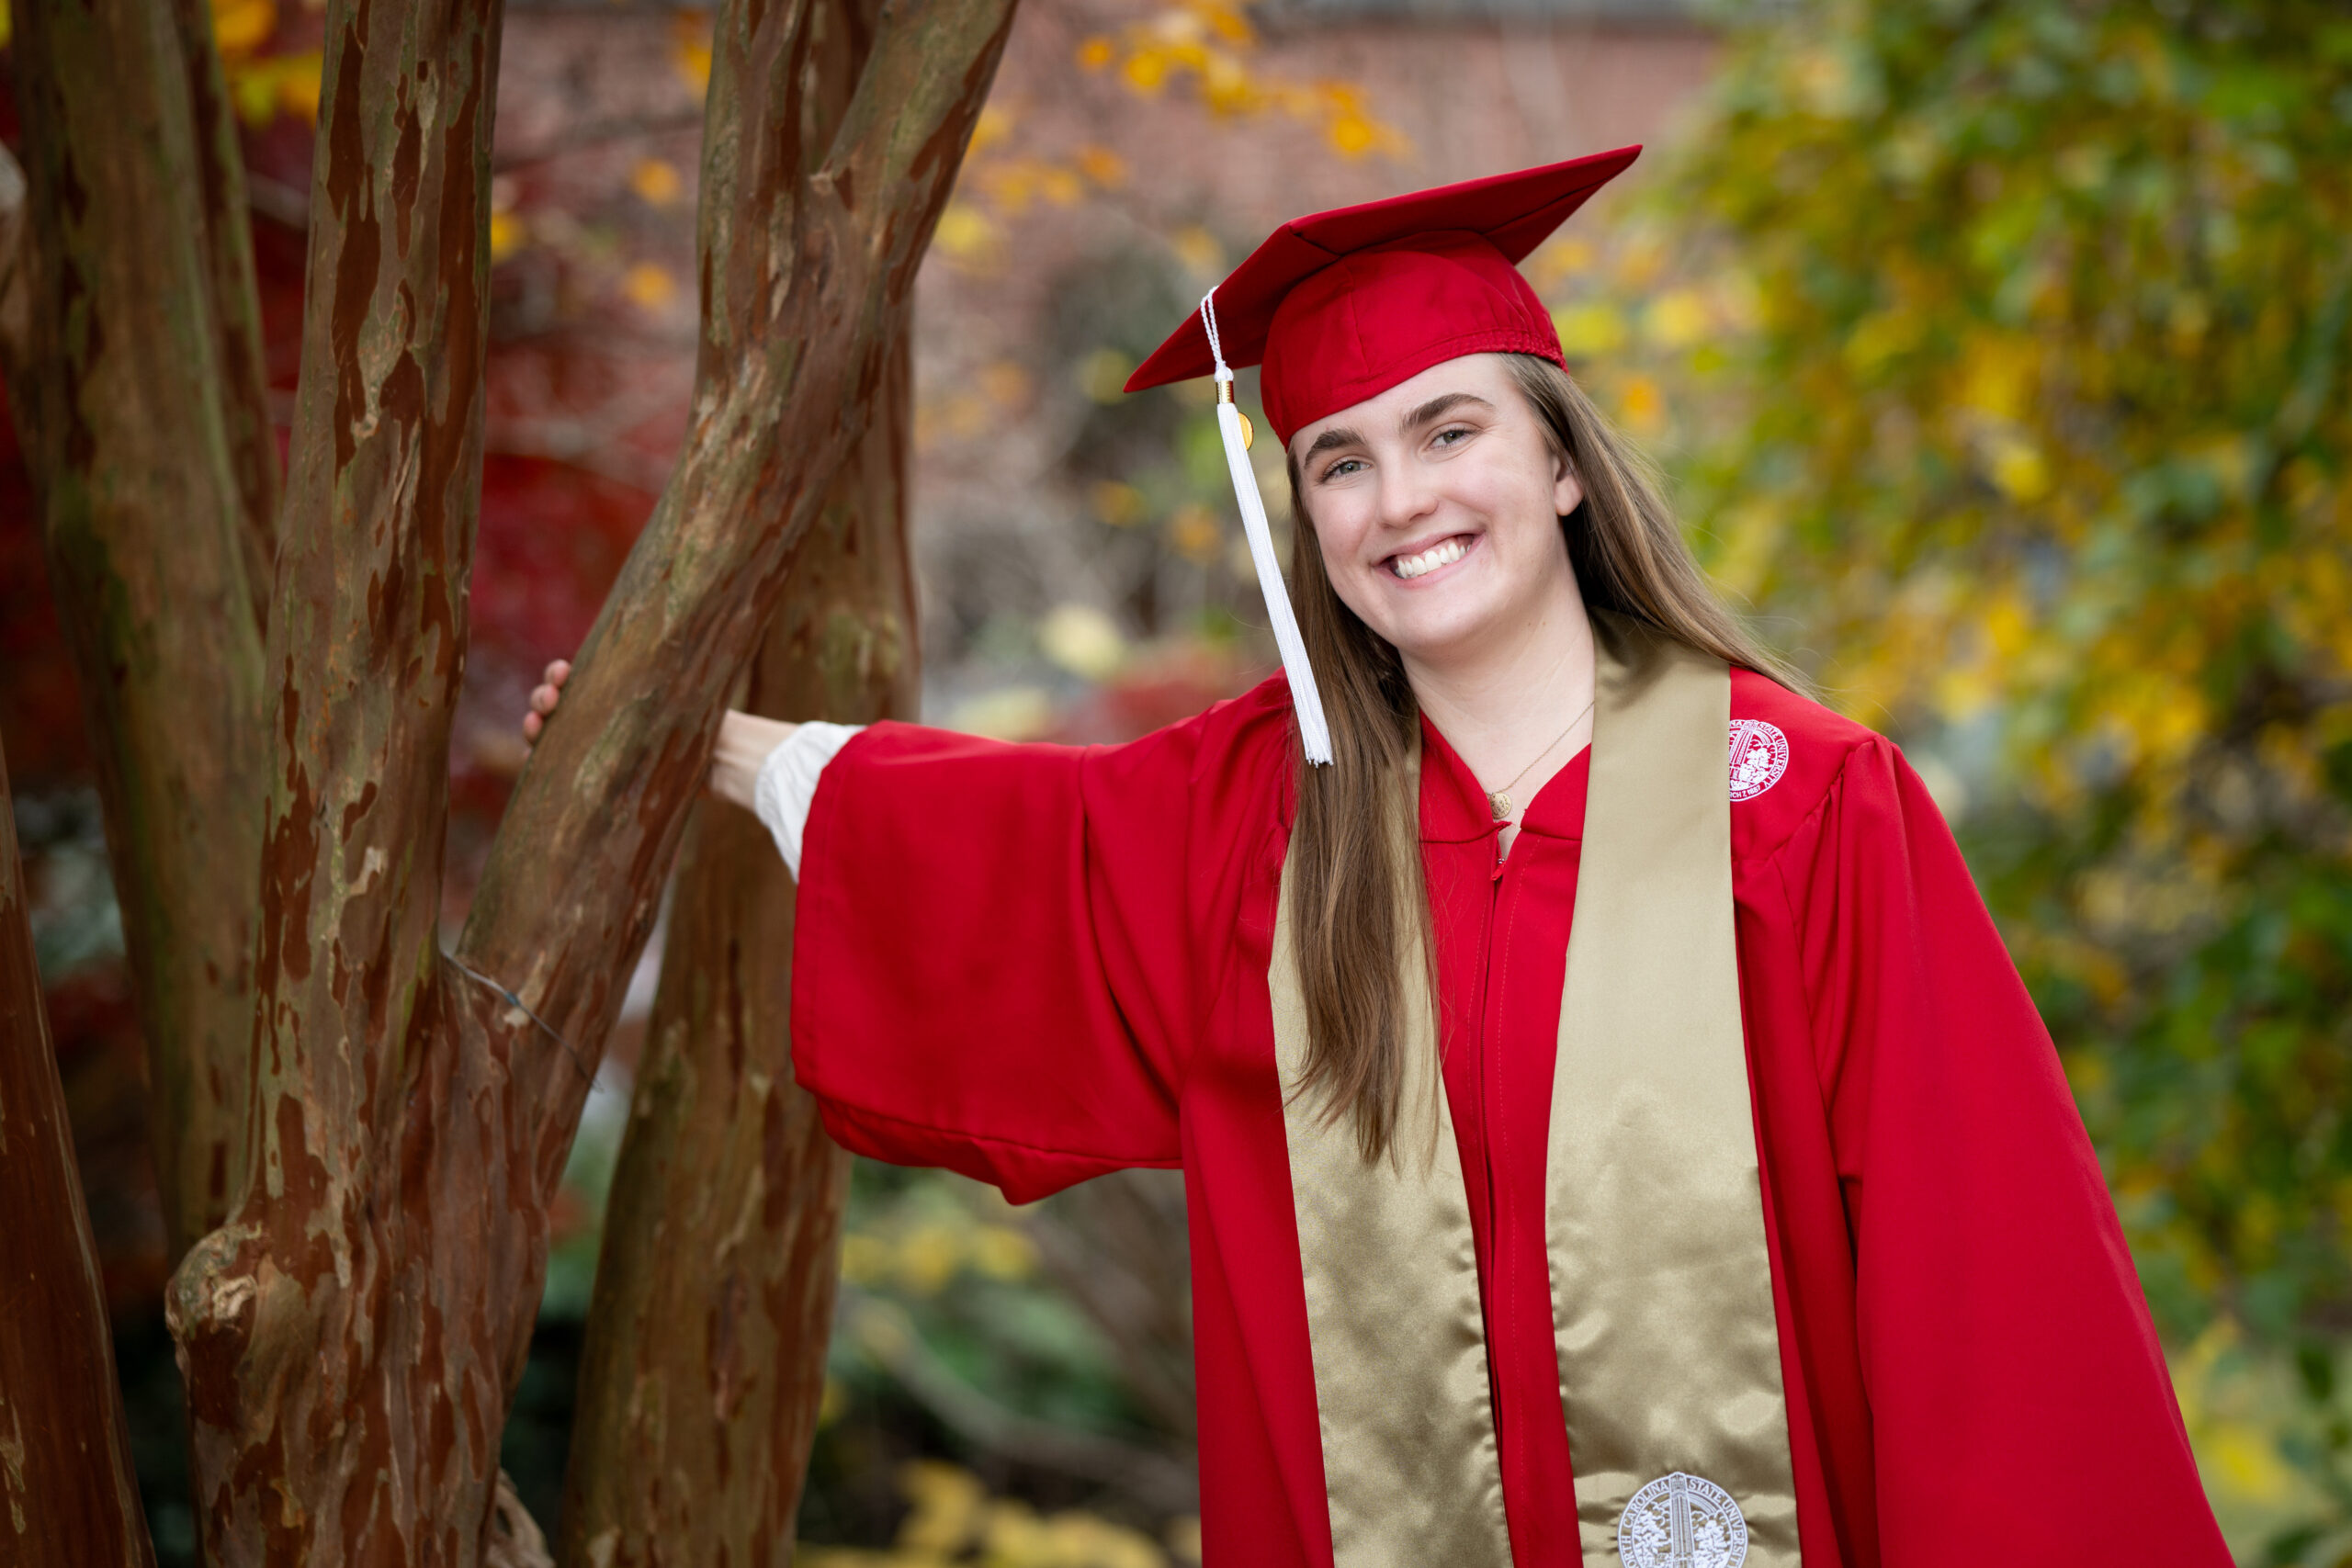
[(1354, 845)]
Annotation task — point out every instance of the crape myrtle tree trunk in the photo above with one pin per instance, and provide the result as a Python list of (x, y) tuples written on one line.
[(67, 1498), (136, 371), (351, 1332), (704, 1368)]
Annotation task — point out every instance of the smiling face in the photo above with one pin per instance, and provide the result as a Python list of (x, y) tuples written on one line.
[(1436, 507)]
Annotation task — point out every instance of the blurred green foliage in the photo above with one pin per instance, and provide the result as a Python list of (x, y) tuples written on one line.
[(2002, 349), (1000, 1383), (943, 1268)]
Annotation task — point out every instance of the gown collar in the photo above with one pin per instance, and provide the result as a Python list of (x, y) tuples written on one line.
[(1453, 804)]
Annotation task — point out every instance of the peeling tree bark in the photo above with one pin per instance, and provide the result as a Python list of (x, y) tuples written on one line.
[(803, 280), (351, 1336), (704, 1366), (348, 1338), (136, 367), (67, 1499)]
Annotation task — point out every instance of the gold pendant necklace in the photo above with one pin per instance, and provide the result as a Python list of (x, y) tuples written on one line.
[(1499, 800)]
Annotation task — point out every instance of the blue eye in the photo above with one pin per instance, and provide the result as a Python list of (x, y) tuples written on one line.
[(1341, 467)]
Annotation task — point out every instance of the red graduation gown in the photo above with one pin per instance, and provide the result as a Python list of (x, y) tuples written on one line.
[(1035, 964)]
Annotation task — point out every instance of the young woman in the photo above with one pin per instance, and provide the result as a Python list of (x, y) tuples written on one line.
[(1753, 1222)]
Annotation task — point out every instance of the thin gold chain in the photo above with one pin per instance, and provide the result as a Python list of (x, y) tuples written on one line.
[(1499, 800)]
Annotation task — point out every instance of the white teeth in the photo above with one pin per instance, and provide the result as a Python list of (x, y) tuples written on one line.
[(1443, 553)]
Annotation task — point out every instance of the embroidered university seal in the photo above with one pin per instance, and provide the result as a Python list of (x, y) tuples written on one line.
[(1759, 755), (1683, 1521)]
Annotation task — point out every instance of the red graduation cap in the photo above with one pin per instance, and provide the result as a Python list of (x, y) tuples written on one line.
[(1342, 306)]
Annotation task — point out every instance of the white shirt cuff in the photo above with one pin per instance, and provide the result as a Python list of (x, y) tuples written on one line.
[(787, 784)]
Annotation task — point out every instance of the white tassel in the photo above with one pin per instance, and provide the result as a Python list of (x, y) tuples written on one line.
[(1314, 731)]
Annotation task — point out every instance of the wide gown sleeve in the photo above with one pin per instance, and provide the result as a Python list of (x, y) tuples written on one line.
[(997, 959), (2022, 1412)]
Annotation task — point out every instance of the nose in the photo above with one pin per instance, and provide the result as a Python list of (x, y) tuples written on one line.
[(1407, 496)]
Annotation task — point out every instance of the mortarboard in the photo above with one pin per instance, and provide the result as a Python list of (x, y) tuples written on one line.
[(1343, 305)]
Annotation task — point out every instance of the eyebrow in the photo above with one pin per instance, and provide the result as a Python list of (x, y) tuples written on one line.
[(1335, 436), (1437, 408)]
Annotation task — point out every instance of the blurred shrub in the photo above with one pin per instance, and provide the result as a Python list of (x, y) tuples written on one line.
[(1044, 1351), (953, 1519), (2003, 347)]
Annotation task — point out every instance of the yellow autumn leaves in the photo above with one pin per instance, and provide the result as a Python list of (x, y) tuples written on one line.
[(925, 1256), (262, 84), (999, 182), (954, 1520), (1207, 44)]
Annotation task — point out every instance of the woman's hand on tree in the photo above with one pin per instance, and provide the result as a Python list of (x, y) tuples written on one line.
[(543, 698), (744, 740)]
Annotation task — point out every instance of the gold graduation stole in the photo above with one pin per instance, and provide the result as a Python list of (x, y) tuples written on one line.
[(1661, 1283)]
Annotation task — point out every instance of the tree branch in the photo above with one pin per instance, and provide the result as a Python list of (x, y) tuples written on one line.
[(226, 238), (803, 280), (704, 1368), (351, 1336), (67, 1495), (354, 1333), (136, 381), (705, 1362), (16, 271)]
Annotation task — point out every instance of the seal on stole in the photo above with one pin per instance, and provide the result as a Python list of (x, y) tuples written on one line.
[(1682, 1521)]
